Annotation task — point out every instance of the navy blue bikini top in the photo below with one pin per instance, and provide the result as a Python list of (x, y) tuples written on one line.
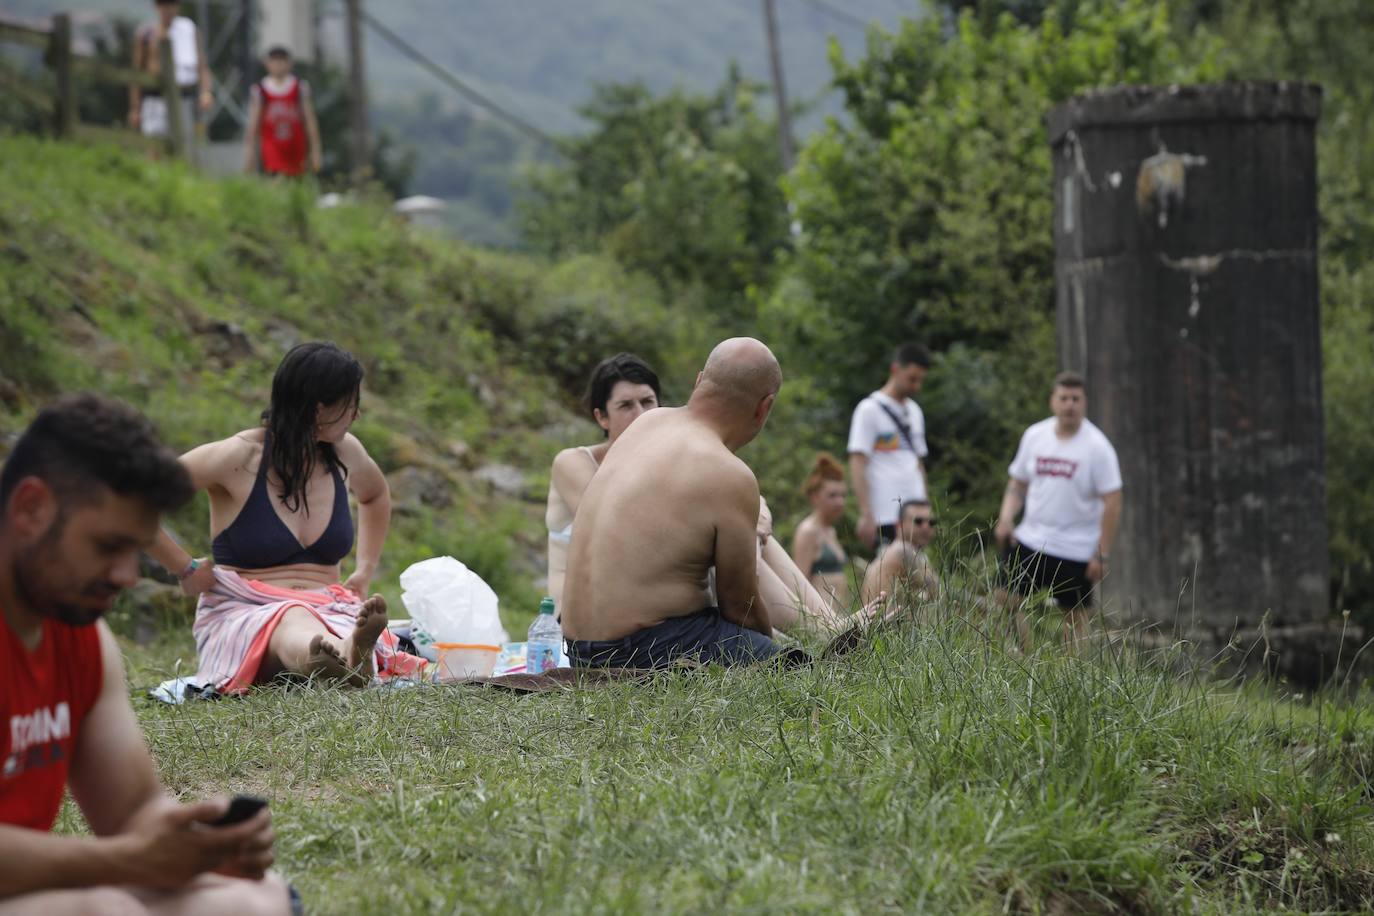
[(258, 538)]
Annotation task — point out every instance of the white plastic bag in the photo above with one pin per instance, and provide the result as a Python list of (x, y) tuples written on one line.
[(450, 603)]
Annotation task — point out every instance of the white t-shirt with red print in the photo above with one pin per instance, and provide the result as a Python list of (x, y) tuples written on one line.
[(1066, 480)]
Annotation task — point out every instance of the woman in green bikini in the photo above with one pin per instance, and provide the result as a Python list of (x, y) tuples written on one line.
[(815, 545)]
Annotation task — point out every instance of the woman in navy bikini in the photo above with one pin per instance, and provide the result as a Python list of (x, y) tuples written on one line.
[(271, 600)]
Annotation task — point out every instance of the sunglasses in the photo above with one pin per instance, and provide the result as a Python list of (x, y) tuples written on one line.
[(924, 521)]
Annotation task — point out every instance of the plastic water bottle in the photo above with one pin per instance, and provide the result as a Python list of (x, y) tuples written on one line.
[(544, 642)]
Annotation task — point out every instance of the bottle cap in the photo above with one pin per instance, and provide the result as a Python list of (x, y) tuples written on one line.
[(546, 606)]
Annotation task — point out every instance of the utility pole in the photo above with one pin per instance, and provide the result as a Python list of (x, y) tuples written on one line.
[(357, 98), (770, 22)]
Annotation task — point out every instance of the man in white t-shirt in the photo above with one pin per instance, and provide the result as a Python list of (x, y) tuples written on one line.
[(147, 107), (887, 440), (1067, 477)]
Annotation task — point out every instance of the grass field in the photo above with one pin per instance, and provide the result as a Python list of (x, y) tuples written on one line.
[(930, 772)]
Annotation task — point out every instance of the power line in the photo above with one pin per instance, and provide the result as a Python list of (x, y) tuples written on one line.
[(448, 77), (838, 12)]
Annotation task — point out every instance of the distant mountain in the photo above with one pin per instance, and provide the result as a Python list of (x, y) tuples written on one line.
[(539, 59)]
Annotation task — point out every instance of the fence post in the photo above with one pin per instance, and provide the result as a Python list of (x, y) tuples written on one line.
[(171, 94), (65, 108)]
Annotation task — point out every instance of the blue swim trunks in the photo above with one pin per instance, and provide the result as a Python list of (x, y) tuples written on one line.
[(705, 637)]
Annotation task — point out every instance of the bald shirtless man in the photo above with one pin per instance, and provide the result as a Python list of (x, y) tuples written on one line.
[(670, 501)]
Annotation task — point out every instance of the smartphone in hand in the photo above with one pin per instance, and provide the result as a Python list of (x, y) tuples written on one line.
[(241, 808)]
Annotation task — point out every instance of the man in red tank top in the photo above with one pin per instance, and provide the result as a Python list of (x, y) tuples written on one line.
[(81, 495), (282, 128)]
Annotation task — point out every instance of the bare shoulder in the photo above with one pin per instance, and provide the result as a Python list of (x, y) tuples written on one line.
[(566, 458), (239, 452), (351, 449), (738, 477), (250, 439)]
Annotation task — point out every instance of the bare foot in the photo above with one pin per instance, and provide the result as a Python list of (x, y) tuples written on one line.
[(325, 661), (871, 610), (357, 649)]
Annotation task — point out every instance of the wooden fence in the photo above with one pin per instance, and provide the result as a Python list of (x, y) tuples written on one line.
[(69, 69)]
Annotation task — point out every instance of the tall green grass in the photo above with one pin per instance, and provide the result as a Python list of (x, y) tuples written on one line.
[(931, 771)]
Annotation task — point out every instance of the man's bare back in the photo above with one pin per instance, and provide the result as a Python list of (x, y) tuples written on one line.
[(646, 533), (899, 566), (670, 502)]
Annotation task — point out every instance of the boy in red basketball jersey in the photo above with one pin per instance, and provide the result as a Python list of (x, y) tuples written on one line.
[(282, 128), (81, 495)]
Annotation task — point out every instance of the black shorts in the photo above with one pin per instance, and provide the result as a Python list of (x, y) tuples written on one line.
[(705, 636), (1026, 572), (887, 534)]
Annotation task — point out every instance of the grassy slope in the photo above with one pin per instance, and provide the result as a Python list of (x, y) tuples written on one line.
[(933, 772), (114, 271)]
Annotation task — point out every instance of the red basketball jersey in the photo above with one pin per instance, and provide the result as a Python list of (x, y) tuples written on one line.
[(44, 697), (282, 128)]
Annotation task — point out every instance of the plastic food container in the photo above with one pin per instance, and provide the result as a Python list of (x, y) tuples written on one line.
[(458, 660)]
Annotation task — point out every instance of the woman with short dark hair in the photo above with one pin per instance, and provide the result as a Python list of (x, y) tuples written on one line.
[(271, 600), (621, 388)]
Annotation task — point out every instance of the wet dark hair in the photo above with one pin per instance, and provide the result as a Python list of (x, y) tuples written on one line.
[(279, 51), (84, 442), (623, 367), (310, 374), (909, 354)]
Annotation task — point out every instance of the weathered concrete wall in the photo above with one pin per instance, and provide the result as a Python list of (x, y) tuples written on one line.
[(1185, 239)]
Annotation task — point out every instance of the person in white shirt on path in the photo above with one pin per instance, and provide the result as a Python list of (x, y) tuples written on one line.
[(887, 440), (1067, 477), (147, 107)]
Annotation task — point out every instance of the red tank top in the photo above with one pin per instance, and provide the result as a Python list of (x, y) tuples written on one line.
[(44, 697), (282, 128)]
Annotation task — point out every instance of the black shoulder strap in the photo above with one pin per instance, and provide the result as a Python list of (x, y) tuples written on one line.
[(902, 427)]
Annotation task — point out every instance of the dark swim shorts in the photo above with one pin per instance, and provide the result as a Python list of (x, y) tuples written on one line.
[(1027, 571), (705, 637)]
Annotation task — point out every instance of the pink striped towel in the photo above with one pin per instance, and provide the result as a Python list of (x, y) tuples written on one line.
[(235, 620)]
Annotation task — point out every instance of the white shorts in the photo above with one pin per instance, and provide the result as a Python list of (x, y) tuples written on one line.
[(153, 120)]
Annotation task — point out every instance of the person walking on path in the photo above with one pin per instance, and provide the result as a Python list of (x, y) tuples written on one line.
[(147, 107), (283, 133)]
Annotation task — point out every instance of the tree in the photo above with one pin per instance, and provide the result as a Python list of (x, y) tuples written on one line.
[(681, 187), (928, 216)]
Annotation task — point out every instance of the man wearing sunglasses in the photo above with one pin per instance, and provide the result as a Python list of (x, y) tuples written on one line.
[(902, 569)]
